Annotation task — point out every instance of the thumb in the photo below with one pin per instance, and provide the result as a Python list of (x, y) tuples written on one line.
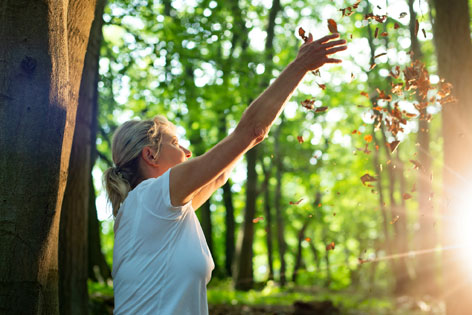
[(310, 38)]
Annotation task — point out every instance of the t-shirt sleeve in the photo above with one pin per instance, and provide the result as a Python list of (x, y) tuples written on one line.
[(156, 199)]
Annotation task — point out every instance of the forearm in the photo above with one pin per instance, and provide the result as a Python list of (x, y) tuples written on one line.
[(263, 111)]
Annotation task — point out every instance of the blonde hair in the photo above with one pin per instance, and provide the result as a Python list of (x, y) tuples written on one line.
[(128, 142)]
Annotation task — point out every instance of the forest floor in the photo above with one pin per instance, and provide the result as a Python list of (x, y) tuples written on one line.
[(273, 300)]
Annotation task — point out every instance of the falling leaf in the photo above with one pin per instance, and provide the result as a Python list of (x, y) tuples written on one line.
[(396, 26), (365, 94), (396, 72), (255, 220), (367, 178), (424, 32), (376, 33), (406, 196), (416, 165), (368, 138), (321, 109), (403, 14), (363, 261), (380, 55), (394, 220), (322, 86), (384, 34), (308, 104), (295, 203), (417, 27), (300, 139), (332, 26), (393, 145), (301, 33), (307, 239), (319, 205), (372, 66), (330, 246)]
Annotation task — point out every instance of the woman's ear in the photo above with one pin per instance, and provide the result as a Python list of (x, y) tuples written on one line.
[(149, 156)]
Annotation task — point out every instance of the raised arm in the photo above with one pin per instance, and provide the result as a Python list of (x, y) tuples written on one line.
[(190, 177)]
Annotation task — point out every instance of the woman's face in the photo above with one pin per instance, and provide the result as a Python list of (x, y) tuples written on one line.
[(171, 153)]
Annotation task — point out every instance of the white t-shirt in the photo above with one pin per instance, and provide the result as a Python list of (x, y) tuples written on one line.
[(161, 261)]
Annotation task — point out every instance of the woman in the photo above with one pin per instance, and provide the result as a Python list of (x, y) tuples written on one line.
[(161, 263)]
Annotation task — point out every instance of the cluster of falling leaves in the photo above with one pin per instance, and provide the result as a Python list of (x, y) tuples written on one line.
[(415, 81)]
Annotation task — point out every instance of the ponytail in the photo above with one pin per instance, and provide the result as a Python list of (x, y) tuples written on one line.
[(127, 145)]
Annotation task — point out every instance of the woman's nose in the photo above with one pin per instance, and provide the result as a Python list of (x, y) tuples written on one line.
[(188, 153)]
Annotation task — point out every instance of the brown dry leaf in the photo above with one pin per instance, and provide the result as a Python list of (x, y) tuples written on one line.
[(393, 145), (255, 220), (424, 32), (394, 220), (363, 261), (406, 196), (321, 109), (308, 104), (396, 26), (416, 165), (372, 66), (367, 178), (365, 94), (384, 34), (296, 202), (395, 73), (368, 138), (383, 95), (300, 139), (354, 132), (330, 246), (307, 239), (302, 34), (322, 86), (410, 115), (380, 55), (417, 27), (332, 26), (376, 33)]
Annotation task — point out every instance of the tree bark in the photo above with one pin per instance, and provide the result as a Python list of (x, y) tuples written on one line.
[(454, 55), (277, 204), (244, 269), (268, 220), (73, 291), (41, 61)]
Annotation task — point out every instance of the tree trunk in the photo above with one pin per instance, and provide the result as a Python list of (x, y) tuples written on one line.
[(41, 61), (73, 291), (268, 220), (277, 204), (454, 54), (230, 228), (96, 259), (244, 268)]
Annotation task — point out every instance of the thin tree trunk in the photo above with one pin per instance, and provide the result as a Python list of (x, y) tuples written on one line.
[(244, 271), (268, 220), (41, 61), (244, 268), (277, 203), (425, 237), (454, 54)]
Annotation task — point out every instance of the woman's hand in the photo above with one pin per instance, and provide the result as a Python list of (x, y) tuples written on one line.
[(313, 54)]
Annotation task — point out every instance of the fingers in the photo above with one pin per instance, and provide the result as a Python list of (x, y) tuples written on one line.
[(310, 38), (335, 43), (327, 38), (332, 60), (335, 50)]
